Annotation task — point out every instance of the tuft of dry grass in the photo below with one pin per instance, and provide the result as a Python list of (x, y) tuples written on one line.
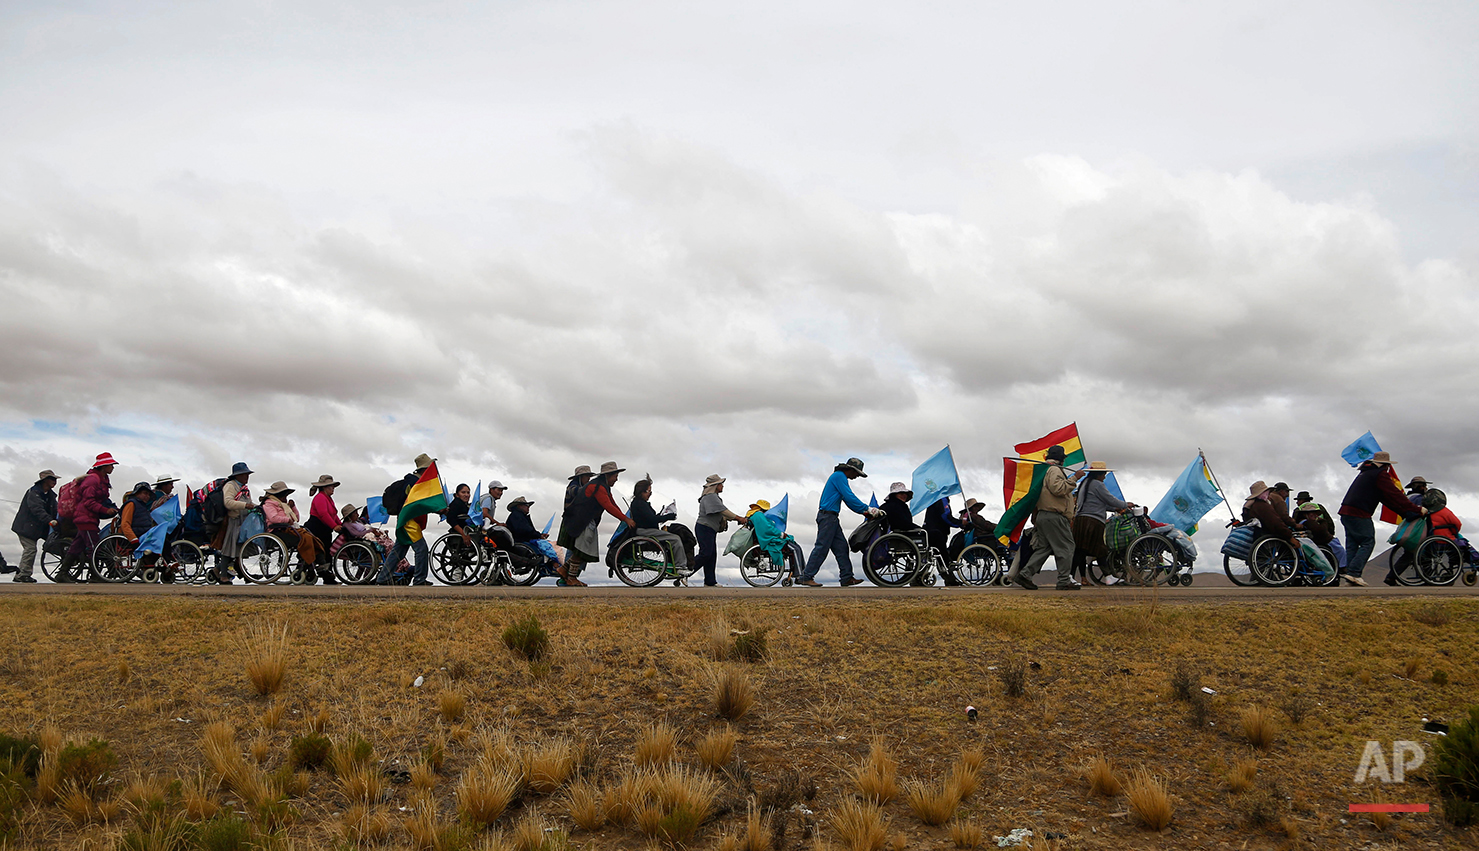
[(423, 776), (860, 826), (1381, 821), (124, 673), (962, 781), (452, 705), (1102, 779), (1149, 800), (717, 748), (486, 789), (548, 766), (77, 805), (360, 825), (199, 799), (678, 801), (265, 647), (973, 759), (734, 696), (261, 749), (1244, 773), (319, 723), (1432, 614), (218, 743), (143, 793), (362, 783), (656, 745), (1013, 673), (1410, 668), (965, 834), (1260, 726), (623, 800), (583, 802), (271, 719), (532, 833), (932, 804), (718, 639), (757, 835), (876, 777)]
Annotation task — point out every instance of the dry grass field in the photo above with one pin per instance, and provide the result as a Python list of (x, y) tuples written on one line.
[(301, 724)]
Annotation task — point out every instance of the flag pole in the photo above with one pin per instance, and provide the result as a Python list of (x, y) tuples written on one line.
[(1220, 492)]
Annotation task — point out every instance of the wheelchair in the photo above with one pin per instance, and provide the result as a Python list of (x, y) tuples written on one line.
[(114, 560), (642, 562), (357, 561), (896, 559), (1150, 558), (759, 570), (265, 559), (1276, 564)]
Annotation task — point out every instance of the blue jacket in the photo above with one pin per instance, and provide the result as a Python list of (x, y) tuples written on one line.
[(838, 491)]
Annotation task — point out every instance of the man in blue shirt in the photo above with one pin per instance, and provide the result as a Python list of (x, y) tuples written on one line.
[(829, 526)]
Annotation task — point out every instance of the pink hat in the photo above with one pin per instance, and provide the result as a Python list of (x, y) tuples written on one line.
[(104, 460)]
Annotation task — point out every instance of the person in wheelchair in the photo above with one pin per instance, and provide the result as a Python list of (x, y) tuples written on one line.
[(1271, 523), (900, 519), (352, 527), (649, 523), (1312, 518), (457, 512), (280, 515), (134, 519), (975, 529)]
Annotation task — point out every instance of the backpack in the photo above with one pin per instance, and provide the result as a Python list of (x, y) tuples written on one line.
[(212, 501), (862, 536), (394, 497), (66, 499)]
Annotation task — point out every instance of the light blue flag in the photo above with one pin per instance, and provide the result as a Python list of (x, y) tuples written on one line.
[(1112, 485), (934, 480), (375, 510), (778, 513), (1189, 499), (549, 523), (1361, 450), (166, 517), (475, 511)]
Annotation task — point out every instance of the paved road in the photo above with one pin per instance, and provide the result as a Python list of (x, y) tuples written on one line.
[(1207, 588)]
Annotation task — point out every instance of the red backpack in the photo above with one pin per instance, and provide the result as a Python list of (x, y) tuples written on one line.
[(66, 499)]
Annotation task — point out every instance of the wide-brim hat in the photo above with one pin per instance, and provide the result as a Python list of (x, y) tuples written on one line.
[(279, 489), (1100, 467), (610, 469), (519, 501), (761, 505), (974, 505), (854, 464), (423, 461), (142, 486), (325, 481), (348, 510), (46, 474), (1056, 453), (713, 481), (1382, 458), (899, 487), (1303, 497), (104, 460), (240, 468), (164, 480), (1258, 488), (1418, 480), (582, 470)]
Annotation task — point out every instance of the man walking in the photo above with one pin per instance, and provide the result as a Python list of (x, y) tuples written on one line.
[(580, 527), (33, 522), (410, 535), (1052, 526), (835, 494), (1373, 485)]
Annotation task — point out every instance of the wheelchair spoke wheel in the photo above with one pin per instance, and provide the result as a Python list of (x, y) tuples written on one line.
[(641, 562), (456, 562), (892, 560), (1239, 571), (1274, 562), (356, 563), (521, 572), (185, 559), (113, 560), (1439, 561), (978, 565), (1150, 560), (757, 569), (1404, 567), (1334, 577), (263, 559)]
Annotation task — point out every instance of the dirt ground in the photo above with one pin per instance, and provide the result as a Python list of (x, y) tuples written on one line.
[(148, 675)]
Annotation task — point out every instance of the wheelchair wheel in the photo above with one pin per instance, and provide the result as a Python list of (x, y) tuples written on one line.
[(1439, 561), (892, 560), (263, 559), (509, 572), (455, 562), (1274, 562), (1150, 560), (356, 563), (186, 559), (1239, 571), (1100, 572), (113, 560), (1404, 567), (1334, 577), (641, 562), (1470, 577), (758, 570), (978, 565)]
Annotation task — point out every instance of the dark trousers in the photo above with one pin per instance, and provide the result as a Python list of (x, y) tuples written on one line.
[(708, 552), (829, 539), (1360, 540)]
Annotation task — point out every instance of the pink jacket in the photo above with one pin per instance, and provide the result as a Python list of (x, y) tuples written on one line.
[(278, 513), (92, 501)]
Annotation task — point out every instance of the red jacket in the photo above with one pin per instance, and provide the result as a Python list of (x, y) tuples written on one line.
[(1445, 523), (92, 501)]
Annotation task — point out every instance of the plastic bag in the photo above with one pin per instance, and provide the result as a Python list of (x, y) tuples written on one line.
[(1315, 558), (1410, 534), (1239, 543), (862, 536), (740, 542), (252, 524)]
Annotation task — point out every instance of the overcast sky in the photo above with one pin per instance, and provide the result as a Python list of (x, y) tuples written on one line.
[(748, 238)]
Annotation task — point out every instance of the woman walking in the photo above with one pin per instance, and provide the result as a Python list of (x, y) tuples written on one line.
[(713, 518)]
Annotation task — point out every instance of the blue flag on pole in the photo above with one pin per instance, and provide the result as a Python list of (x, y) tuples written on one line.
[(166, 517), (777, 514), (549, 523), (933, 480), (1189, 499), (873, 501), (1361, 450), (375, 510), (475, 510), (1112, 485)]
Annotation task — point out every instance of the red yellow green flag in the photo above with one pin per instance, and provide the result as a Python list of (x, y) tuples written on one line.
[(1021, 485), (1388, 515), (426, 496), (1067, 437)]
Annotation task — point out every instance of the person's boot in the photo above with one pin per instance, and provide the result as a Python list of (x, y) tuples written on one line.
[(326, 574), (64, 570)]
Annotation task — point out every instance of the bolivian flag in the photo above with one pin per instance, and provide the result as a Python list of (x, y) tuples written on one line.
[(1387, 515), (1019, 490), (427, 496), (1067, 437)]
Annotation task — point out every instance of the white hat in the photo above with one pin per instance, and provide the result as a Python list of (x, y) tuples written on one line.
[(899, 487)]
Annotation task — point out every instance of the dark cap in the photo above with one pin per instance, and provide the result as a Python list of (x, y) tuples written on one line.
[(1056, 453)]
